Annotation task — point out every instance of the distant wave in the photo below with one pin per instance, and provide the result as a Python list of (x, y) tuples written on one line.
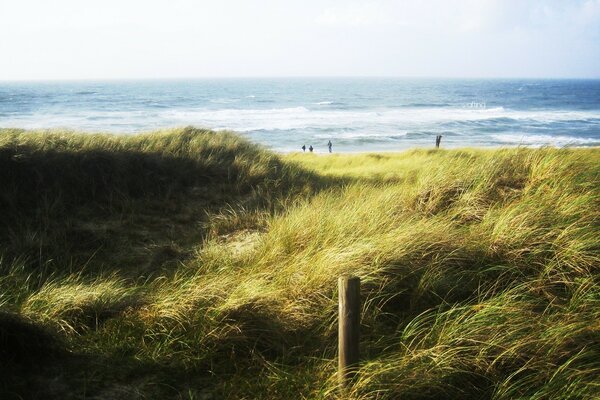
[(545, 140), (154, 104), (331, 103), (337, 121), (301, 117), (224, 101), (427, 105), (364, 135)]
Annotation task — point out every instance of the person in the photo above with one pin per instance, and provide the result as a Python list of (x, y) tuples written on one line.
[(329, 145), (310, 148), (438, 140), (303, 148)]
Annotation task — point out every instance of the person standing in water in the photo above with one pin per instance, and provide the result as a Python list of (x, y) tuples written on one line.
[(310, 148), (303, 148), (329, 145)]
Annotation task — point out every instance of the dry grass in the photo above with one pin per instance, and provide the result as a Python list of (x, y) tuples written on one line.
[(479, 269)]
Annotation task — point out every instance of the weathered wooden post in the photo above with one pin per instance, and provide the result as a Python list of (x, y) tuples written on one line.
[(348, 329)]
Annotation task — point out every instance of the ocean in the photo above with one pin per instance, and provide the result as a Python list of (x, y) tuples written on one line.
[(356, 114)]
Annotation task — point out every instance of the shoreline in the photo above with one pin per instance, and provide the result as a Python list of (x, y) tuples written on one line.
[(441, 148)]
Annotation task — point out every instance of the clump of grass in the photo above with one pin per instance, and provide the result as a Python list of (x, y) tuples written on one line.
[(479, 271), (75, 305)]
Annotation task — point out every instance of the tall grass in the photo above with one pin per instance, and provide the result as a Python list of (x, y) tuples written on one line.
[(479, 268), (87, 198)]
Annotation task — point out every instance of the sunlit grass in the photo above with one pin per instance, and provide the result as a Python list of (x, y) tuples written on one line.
[(479, 267)]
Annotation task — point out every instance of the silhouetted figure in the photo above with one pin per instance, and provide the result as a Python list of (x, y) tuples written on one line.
[(310, 148), (438, 140), (303, 148), (329, 145)]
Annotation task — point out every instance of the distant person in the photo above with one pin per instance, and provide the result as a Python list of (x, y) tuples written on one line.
[(303, 148), (438, 140), (310, 148), (329, 145)]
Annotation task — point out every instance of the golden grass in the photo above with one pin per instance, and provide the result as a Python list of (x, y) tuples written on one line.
[(479, 271)]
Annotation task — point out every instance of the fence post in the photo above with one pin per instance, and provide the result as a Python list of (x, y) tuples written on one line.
[(348, 329)]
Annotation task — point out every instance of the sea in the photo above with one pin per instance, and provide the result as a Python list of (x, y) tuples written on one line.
[(356, 114)]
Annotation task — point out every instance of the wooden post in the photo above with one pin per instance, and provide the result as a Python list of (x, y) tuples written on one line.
[(348, 329)]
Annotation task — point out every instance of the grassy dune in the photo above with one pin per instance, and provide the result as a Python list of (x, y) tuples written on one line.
[(191, 265)]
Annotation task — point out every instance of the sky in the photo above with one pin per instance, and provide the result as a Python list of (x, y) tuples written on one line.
[(146, 39)]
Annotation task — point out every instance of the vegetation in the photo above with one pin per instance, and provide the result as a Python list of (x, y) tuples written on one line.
[(188, 264)]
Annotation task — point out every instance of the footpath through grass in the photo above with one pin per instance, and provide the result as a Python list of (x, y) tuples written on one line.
[(188, 264)]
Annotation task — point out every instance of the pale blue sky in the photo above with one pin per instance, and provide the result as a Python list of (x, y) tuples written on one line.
[(107, 39)]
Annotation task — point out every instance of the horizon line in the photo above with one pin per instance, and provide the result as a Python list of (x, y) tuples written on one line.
[(259, 77)]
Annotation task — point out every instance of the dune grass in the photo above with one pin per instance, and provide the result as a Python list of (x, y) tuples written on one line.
[(191, 264)]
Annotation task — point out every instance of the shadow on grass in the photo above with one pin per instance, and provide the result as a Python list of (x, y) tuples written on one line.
[(130, 206), (35, 363)]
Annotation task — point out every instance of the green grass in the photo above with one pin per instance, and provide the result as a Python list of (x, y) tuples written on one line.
[(188, 264)]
